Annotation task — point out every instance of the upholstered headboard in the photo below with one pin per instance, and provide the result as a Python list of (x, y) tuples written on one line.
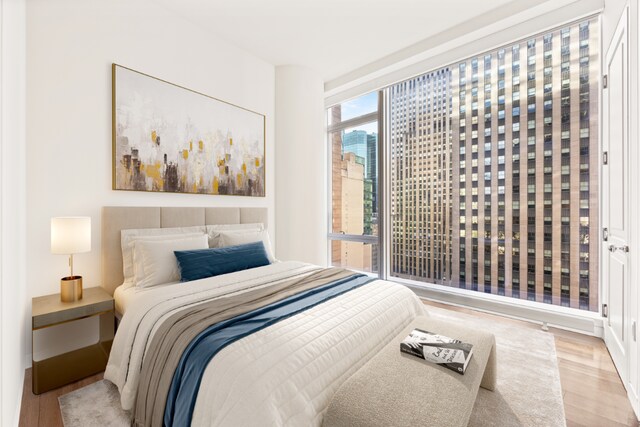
[(117, 218)]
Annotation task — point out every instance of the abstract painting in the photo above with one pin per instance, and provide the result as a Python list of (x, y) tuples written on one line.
[(170, 139)]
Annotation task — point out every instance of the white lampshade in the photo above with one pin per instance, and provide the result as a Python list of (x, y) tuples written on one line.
[(70, 235)]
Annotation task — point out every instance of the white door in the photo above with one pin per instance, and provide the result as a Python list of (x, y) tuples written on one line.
[(615, 199)]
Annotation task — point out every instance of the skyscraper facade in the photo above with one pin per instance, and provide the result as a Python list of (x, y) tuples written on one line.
[(494, 171), (421, 177), (355, 142), (335, 139), (372, 169), (354, 188), (365, 146)]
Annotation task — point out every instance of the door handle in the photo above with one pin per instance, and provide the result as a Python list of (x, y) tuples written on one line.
[(623, 248)]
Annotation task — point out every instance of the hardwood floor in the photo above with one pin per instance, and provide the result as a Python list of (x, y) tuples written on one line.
[(593, 393), (43, 410)]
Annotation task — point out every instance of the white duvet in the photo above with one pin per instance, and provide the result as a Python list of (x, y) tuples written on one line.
[(283, 375)]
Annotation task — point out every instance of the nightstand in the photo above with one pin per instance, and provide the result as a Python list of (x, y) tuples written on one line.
[(48, 311)]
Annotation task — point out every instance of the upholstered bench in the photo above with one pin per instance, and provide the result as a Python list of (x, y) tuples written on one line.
[(396, 389)]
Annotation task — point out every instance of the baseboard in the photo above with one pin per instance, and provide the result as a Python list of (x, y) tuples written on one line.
[(635, 404), (16, 417), (587, 324), (635, 401)]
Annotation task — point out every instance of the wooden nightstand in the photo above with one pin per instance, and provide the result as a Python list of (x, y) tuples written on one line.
[(68, 367)]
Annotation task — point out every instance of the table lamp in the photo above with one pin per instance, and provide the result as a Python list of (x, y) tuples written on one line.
[(70, 235)]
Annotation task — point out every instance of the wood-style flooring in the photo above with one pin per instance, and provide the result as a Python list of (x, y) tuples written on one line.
[(592, 390), (43, 410)]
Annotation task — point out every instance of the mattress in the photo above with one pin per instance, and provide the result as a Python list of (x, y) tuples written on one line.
[(287, 372)]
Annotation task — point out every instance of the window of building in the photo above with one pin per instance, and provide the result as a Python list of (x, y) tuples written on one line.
[(433, 228), (353, 141)]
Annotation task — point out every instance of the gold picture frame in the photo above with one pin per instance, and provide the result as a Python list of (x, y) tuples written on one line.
[(168, 138)]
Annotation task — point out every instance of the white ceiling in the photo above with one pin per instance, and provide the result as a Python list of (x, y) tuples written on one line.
[(333, 37)]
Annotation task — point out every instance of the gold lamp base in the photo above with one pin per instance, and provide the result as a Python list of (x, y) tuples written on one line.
[(71, 288)]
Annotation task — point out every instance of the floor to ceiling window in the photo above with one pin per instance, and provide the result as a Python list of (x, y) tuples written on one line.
[(492, 171), (353, 141)]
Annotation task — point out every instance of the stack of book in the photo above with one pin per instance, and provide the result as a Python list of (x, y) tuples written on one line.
[(448, 352)]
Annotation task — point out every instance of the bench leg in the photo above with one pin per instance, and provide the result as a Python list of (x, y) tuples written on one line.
[(489, 378)]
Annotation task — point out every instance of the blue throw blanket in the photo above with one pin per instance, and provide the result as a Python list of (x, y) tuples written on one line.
[(188, 375)]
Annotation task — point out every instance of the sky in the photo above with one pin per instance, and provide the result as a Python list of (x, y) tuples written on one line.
[(359, 106)]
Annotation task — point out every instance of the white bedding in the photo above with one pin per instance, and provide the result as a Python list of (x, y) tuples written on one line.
[(124, 295), (285, 374)]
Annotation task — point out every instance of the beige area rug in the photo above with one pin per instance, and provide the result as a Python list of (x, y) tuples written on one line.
[(528, 392), (95, 405)]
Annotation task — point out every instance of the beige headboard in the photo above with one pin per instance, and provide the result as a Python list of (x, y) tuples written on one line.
[(117, 218)]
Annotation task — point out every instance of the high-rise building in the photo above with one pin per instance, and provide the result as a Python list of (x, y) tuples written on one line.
[(494, 177), (365, 146), (367, 206), (372, 165), (353, 191), (421, 177), (336, 185), (356, 142)]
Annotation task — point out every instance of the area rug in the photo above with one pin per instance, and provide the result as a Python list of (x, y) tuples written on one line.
[(528, 392), (95, 405)]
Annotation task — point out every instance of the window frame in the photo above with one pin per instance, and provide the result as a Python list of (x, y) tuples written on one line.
[(383, 239), (378, 240)]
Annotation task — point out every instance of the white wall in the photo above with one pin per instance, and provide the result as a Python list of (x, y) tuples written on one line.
[(12, 209), (70, 47), (301, 154)]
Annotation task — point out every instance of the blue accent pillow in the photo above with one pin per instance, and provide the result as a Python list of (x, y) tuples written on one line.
[(200, 263)]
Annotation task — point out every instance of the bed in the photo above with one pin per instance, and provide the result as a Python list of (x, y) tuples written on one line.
[(284, 372)]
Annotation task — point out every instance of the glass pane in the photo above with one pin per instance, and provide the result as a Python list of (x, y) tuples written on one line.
[(355, 180), (355, 255), (360, 106), (494, 173)]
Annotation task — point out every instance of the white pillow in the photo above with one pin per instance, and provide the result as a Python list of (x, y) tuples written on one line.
[(214, 231), (154, 260), (127, 237), (230, 238)]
